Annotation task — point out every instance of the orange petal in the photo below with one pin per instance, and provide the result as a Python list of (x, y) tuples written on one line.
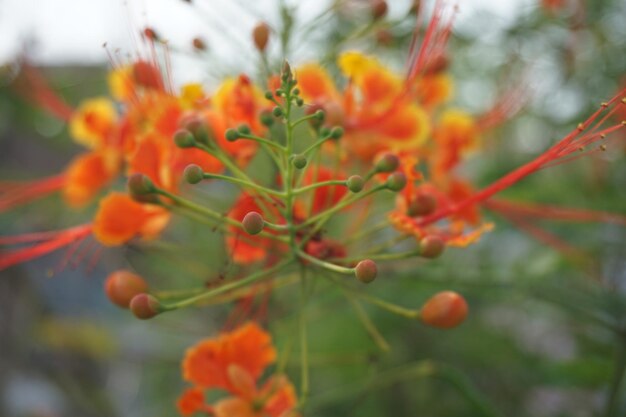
[(191, 401), (234, 407), (86, 175)]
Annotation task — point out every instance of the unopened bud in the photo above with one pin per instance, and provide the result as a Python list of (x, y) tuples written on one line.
[(253, 223), (150, 34), (432, 246), (200, 131), (231, 135), (378, 8), (422, 205), (144, 306), (277, 111), (183, 138), (121, 286), (299, 161), (444, 310), (336, 132), (387, 163), (244, 129), (193, 174), (140, 184), (286, 74), (261, 36), (396, 181), (266, 118), (366, 271), (199, 44), (355, 183)]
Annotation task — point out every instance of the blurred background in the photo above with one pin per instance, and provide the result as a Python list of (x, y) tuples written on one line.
[(547, 330)]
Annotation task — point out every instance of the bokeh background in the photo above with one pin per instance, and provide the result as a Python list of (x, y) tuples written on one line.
[(547, 330)]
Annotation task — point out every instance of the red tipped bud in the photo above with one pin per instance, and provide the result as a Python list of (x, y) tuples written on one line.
[(193, 174), (261, 36), (396, 181), (253, 223), (183, 138), (199, 44), (366, 271), (422, 205), (144, 306), (121, 286), (432, 246), (444, 310), (378, 8), (355, 183), (140, 184), (387, 163)]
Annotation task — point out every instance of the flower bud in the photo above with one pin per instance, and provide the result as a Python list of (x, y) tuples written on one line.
[(355, 183), (432, 246), (200, 130), (396, 181), (243, 129), (336, 132), (366, 271), (140, 184), (378, 8), (285, 74), (193, 174), (121, 286), (231, 135), (422, 205), (183, 138), (253, 223), (266, 118), (150, 34), (299, 161), (277, 111), (387, 163), (444, 310), (144, 306), (261, 36), (199, 44)]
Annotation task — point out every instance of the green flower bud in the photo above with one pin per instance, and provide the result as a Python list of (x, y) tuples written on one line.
[(277, 111), (183, 138), (140, 185), (299, 161), (193, 174), (269, 95), (266, 118), (396, 181), (387, 163), (336, 132), (355, 183), (231, 135), (244, 129), (366, 271), (253, 223)]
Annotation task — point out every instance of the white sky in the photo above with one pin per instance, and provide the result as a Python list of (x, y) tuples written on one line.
[(73, 31)]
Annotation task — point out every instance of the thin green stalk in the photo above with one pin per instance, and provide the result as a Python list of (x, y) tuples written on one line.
[(257, 276), (304, 348), (324, 264), (318, 185), (371, 328), (262, 140), (244, 183), (615, 389)]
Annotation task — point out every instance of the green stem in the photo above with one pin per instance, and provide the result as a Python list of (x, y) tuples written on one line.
[(371, 328), (257, 276), (613, 400), (324, 264), (318, 185), (304, 348), (262, 140), (245, 183), (316, 145)]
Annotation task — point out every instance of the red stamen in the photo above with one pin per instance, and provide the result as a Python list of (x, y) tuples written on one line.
[(29, 191), (58, 240), (35, 87)]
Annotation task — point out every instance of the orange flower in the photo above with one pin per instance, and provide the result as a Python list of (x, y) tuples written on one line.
[(120, 218), (249, 347), (87, 174), (191, 402), (234, 362), (456, 134)]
